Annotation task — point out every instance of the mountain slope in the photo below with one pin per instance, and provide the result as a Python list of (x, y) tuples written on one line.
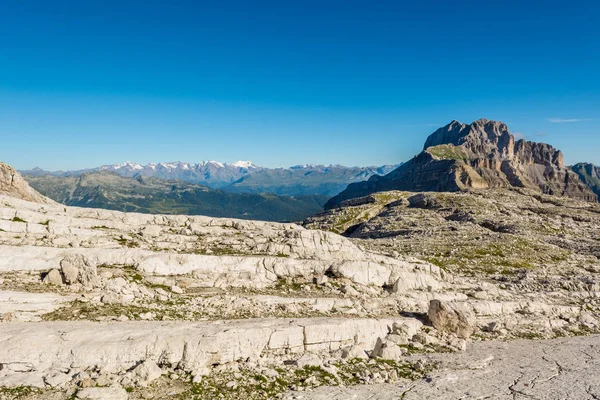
[(305, 179), (481, 155), (12, 184), (589, 174), (109, 190)]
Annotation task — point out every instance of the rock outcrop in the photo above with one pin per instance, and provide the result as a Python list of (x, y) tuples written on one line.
[(12, 184), (479, 156), (447, 317)]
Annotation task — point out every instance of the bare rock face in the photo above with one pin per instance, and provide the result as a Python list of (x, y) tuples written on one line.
[(446, 317), (481, 155), (12, 184), (589, 174)]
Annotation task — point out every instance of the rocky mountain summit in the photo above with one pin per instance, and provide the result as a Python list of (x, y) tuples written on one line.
[(480, 155)]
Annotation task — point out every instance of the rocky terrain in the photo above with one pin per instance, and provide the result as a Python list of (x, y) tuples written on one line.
[(393, 294), (104, 304), (481, 155), (111, 191)]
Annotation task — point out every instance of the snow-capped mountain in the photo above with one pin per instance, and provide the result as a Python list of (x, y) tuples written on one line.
[(242, 176), (214, 174)]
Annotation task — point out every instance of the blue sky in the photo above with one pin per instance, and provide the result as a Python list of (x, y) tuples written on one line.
[(84, 83)]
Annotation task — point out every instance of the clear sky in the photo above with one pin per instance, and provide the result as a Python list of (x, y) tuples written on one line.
[(85, 83)]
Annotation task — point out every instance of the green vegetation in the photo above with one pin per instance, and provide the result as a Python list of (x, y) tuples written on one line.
[(507, 257), (448, 152), (17, 219), (249, 385), (100, 227), (46, 223), (127, 242), (18, 392)]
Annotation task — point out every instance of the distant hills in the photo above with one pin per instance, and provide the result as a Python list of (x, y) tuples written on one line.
[(109, 190), (480, 155), (241, 176)]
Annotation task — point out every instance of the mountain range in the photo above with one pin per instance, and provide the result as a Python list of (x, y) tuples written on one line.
[(480, 155), (242, 176), (109, 190)]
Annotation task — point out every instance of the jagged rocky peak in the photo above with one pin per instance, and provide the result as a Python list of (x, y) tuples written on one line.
[(480, 155), (12, 184), (482, 138), (490, 139)]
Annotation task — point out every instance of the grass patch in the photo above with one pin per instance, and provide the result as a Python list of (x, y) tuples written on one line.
[(18, 392), (17, 219), (256, 386), (127, 242), (448, 152)]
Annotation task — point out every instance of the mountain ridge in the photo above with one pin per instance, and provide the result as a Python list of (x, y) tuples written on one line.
[(235, 177), (480, 155)]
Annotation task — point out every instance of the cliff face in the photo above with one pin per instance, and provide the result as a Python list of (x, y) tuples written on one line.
[(12, 184), (481, 155), (588, 174)]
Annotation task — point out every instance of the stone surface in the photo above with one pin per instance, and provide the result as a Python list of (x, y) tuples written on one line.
[(146, 372), (77, 268), (447, 317), (53, 277), (189, 346), (102, 393), (559, 369)]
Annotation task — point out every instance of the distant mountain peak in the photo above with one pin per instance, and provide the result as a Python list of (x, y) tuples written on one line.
[(244, 164)]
